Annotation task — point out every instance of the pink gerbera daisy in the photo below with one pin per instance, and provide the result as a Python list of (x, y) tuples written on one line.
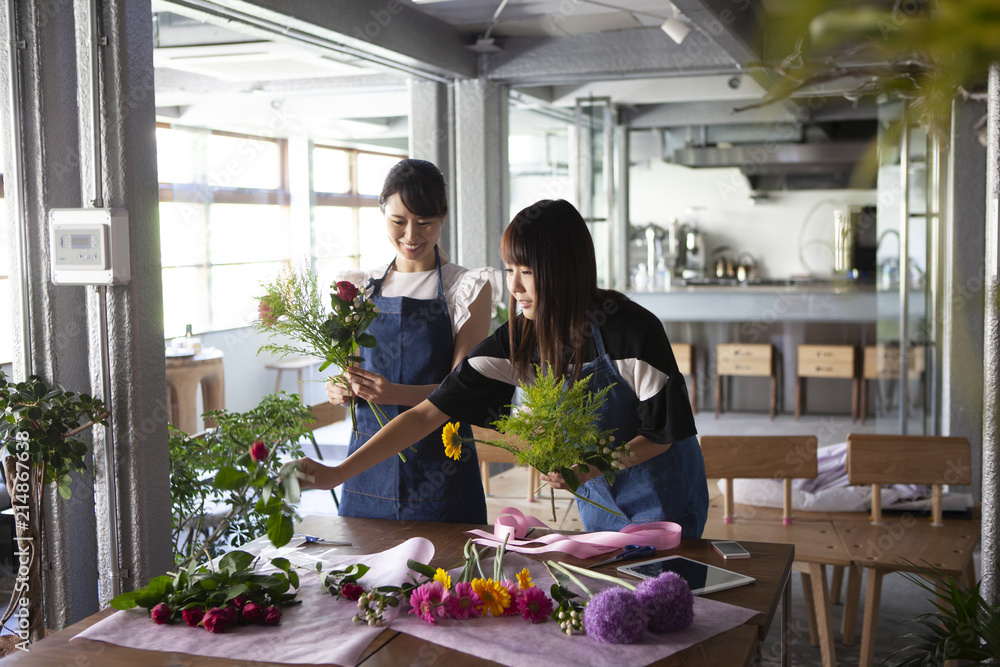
[(428, 601), (534, 605), (515, 593), (463, 602)]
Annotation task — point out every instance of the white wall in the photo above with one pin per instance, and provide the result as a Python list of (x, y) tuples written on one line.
[(789, 234)]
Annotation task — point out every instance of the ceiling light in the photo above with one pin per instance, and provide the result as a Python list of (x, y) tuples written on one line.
[(676, 28)]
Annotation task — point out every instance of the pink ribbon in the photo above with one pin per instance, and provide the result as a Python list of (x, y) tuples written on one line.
[(513, 526)]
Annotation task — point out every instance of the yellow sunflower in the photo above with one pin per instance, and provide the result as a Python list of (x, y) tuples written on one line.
[(452, 440), (524, 579), (442, 576), (494, 595)]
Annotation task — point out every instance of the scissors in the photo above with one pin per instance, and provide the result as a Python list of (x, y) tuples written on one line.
[(312, 539), (629, 551)]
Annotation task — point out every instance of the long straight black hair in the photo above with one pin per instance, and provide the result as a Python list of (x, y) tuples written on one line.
[(551, 238)]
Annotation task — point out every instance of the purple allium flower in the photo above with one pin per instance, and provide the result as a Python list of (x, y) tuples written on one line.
[(667, 601), (160, 613), (463, 601), (614, 616), (534, 604)]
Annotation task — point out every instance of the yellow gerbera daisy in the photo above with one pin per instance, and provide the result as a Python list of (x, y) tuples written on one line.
[(442, 576), (524, 579), (494, 595), (452, 440)]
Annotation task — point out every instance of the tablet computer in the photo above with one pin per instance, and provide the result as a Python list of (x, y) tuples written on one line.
[(701, 577)]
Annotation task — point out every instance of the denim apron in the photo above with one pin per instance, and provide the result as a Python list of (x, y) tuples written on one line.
[(415, 346), (668, 487)]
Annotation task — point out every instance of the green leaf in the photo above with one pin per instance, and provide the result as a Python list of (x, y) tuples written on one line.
[(125, 601), (234, 561), (420, 568), (281, 563), (65, 491), (293, 577), (230, 479), (279, 529), (365, 340), (235, 590), (336, 332), (355, 358)]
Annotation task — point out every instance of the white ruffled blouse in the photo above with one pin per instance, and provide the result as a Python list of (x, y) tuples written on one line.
[(461, 287)]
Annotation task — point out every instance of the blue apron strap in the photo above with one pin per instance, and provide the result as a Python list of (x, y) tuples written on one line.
[(377, 284), (440, 295), (598, 341)]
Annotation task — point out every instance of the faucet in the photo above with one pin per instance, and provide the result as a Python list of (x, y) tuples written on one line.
[(884, 234)]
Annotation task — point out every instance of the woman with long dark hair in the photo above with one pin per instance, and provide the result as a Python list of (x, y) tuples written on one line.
[(565, 323), (431, 314)]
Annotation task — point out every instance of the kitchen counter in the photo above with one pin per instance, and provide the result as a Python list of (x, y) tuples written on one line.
[(809, 302)]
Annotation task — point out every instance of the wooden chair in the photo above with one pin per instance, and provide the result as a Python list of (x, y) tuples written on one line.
[(881, 362), (746, 359), (827, 361), (684, 355), (882, 545), (816, 542), (488, 454)]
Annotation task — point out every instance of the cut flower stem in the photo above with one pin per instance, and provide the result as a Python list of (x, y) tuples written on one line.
[(597, 575)]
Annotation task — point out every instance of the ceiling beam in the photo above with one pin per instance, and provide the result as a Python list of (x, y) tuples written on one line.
[(637, 53), (392, 34)]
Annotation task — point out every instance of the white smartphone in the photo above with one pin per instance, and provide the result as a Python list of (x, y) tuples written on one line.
[(730, 549)]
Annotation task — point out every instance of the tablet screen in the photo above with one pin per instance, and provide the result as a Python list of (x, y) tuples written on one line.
[(701, 577)]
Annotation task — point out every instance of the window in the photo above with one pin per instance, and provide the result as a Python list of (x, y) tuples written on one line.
[(227, 224), (6, 332)]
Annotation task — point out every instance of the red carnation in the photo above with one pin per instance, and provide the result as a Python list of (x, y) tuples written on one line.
[(272, 616), (193, 616), (215, 619), (258, 452), (161, 613), (253, 613), (351, 591), (346, 291)]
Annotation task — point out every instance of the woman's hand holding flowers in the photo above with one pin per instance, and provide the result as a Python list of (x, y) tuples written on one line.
[(556, 481)]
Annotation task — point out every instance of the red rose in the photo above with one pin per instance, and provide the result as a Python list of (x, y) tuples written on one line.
[(272, 616), (253, 613), (230, 614), (241, 600), (258, 452), (161, 613), (193, 616), (351, 591), (215, 619), (346, 291)]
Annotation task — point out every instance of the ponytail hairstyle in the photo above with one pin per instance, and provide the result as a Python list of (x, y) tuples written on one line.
[(420, 186), (552, 240)]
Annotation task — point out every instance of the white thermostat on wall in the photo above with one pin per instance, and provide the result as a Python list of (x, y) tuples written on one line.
[(89, 246)]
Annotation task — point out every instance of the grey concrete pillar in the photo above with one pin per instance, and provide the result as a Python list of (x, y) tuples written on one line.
[(962, 326), (481, 206), (50, 121), (431, 122), (991, 349)]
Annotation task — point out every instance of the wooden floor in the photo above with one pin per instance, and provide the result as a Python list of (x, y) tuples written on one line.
[(510, 489)]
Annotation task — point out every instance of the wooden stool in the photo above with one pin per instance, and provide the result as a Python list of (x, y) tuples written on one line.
[(827, 361), (487, 454), (684, 355), (297, 364), (746, 359), (881, 362), (184, 374)]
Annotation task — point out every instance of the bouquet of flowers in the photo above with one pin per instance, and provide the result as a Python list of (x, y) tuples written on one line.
[(557, 432), (292, 307)]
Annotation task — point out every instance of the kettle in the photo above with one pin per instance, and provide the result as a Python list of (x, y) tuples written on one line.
[(746, 267), (723, 264)]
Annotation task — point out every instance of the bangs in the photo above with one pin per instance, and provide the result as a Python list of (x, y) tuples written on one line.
[(420, 202), (516, 249)]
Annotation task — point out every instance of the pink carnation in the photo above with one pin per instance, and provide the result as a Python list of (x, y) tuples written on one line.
[(193, 616), (346, 291), (515, 593), (534, 604), (463, 602), (272, 616), (258, 452), (160, 613)]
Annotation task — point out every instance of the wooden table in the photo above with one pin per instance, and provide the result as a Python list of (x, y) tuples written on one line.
[(184, 375), (770, 564)]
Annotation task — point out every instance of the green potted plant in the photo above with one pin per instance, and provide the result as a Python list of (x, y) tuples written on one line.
[(39, 430)]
